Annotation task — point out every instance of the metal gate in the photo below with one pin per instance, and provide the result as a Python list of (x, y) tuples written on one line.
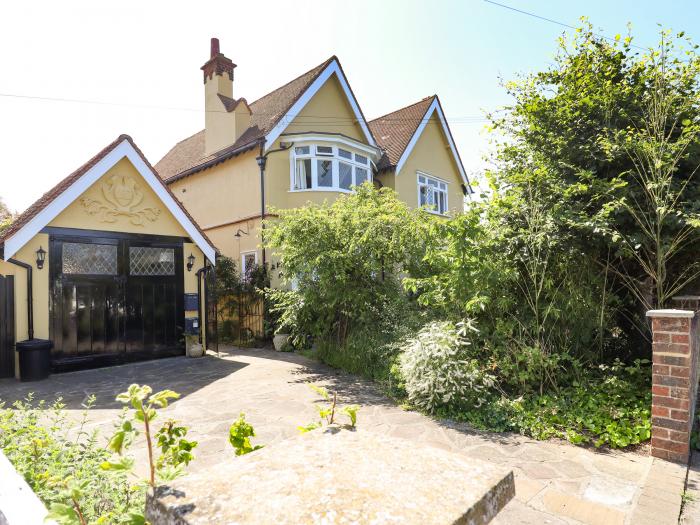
[(242, 318), (210, 315), (7, 326)]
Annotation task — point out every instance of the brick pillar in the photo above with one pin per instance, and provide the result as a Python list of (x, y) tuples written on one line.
[(674, 382)]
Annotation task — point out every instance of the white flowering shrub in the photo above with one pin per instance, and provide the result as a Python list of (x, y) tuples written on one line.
[(438, 371)]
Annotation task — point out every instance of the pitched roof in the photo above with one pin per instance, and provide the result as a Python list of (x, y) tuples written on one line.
[(394, 130), (54, 193), (266, 113)]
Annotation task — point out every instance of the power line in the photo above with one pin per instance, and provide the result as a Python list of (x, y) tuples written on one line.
[(467, 119), (539, 17)]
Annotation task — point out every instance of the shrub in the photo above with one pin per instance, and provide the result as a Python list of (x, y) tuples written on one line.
[(61, 462), (438, 371), (346, 259), (608, 405)]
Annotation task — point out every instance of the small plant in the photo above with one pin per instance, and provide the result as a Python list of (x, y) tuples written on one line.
[(438, 371), (328, 411), (176, 451), (239, 436)]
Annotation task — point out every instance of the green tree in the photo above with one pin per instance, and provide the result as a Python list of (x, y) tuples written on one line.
[(607, 136), (6, 216), (345, 260)]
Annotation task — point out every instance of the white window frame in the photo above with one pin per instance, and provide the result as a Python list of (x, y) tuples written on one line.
[(444, 190), (335, 160), (244, 270)]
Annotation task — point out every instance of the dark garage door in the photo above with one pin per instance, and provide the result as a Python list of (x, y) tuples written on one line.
[(115, 299)]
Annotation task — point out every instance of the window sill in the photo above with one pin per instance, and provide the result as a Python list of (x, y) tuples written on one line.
[(321, 190), (446, 215)]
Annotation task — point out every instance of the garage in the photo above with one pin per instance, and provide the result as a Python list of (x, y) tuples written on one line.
[(107, 266)]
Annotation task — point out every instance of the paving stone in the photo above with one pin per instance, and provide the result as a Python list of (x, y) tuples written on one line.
[(486, 453), (272, 389), (609, 492), (571, 469), (539, 471), (517, 513), (657, 511), (526, 489), (561, 504)]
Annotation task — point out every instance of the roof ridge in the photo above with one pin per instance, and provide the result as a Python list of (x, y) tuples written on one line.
[(404, 108), (322, 65)]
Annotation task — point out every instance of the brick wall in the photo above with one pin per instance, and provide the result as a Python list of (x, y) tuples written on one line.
[(674, 382)]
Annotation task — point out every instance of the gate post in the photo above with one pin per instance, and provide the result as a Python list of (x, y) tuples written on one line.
[(674, 382)]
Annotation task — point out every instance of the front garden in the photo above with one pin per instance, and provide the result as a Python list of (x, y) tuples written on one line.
[(527, 312)]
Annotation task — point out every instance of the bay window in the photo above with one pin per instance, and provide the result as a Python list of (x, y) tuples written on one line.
[(330, 168), (432, 194)]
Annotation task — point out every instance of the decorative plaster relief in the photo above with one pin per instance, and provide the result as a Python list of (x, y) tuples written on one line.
[(122, 198)]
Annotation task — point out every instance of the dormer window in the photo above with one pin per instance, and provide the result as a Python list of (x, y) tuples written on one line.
[(328, 168)]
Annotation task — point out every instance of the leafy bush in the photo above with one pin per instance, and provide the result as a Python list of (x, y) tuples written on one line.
[(345, 258), (610, 405), (61, 462), (438, 370)]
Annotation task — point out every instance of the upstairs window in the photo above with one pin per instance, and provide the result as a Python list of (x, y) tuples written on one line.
[(328, 168), (432, 194)]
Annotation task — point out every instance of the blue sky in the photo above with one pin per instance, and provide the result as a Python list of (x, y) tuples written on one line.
[(145, 57)]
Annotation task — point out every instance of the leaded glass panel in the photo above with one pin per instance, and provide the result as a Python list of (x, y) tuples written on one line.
[(89, 259), (144, 260)]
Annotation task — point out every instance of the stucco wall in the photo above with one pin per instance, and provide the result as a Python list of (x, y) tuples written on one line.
[(432, 156), (223, 193), (94, 211)]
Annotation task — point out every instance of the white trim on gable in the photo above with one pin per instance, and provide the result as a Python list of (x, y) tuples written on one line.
[(60, 203), (332, 68), (434, 107)]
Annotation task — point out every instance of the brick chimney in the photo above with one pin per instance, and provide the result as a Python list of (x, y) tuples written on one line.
[(219, 118)]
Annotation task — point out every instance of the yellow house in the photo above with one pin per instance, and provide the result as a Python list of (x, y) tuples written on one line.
[(107, 265), (307, 141)]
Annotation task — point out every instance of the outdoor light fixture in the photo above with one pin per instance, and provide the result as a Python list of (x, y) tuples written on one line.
[(190, 262), (40, 258), (238, 233)]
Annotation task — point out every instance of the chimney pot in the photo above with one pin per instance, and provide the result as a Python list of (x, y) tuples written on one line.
[(214, 47)]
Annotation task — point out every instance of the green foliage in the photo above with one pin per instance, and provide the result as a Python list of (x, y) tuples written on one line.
[(175, 449), (438, 369), (6, 216), (328, 410), (345, 259), (239, 436), (61, 461), (609, 405)]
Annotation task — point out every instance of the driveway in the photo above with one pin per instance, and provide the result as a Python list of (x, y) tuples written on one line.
[(555, 482)]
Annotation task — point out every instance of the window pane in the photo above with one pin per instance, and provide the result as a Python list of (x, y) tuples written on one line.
[(90, 259), (325, 173), (345, 175), (432, 182), (302, 150), (360, 158), (248, 263), (344, 153), (302, 177), (324, 150), (361, 175), (423, 195), (144, 260)]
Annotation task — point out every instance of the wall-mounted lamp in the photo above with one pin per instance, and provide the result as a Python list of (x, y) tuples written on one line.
[(238, 233), (40, 258), (190, 262)]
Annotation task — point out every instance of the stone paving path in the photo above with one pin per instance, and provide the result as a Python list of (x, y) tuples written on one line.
[(556, 483)]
